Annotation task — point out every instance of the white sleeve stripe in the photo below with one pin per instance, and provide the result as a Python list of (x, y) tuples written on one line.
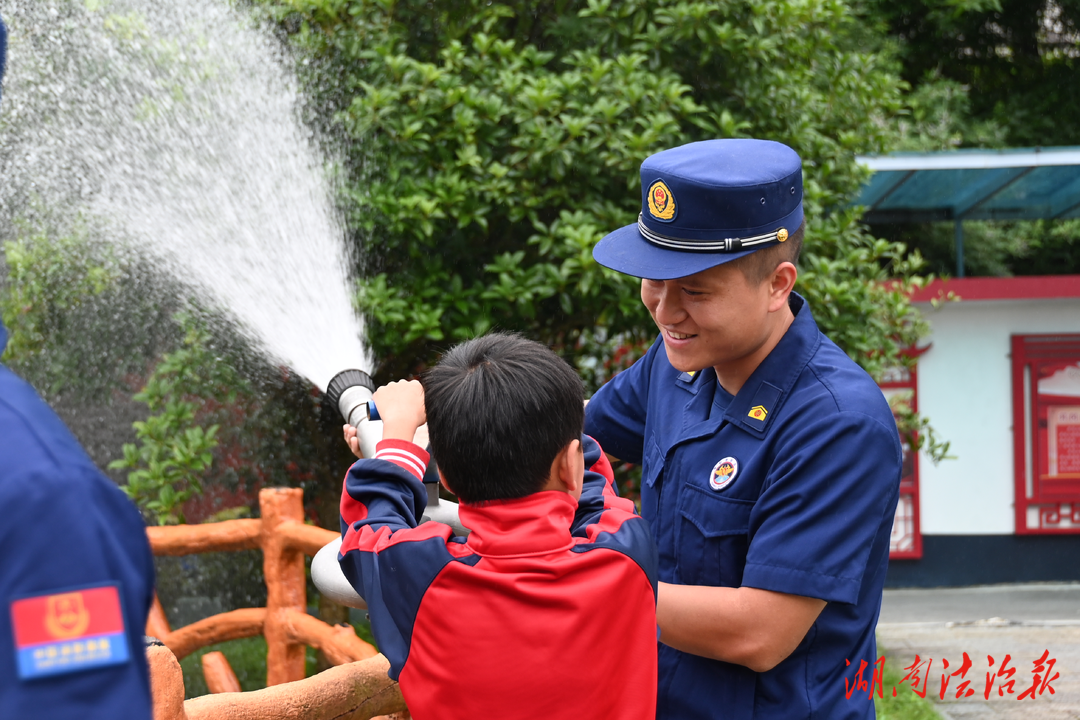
[(404, 463), (403, 458), (401, 454)]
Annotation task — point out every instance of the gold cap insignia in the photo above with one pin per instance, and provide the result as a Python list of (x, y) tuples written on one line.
[(661, 201), (758, 412), (781, 234)]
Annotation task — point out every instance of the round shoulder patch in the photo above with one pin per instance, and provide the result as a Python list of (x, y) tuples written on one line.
[(723, 473), (661, 201)]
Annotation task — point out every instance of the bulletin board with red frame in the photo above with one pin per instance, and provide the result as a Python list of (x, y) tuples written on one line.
[(1046, 433), (906, 540)]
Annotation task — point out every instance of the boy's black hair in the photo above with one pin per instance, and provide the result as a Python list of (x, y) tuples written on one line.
[(499, 409)]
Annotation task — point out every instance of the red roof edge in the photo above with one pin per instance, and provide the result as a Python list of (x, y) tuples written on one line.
[(1030, 287)]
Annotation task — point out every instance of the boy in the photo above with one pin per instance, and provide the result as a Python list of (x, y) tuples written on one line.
[(547, 609)]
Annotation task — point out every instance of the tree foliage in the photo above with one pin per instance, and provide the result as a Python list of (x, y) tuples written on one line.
[(988, 73), (219, 419), (42, 292), (80, 315), (1016, 59), (492, 144)]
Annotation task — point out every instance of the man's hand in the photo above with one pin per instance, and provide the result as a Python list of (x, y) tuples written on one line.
[(746, 626), (401, 406)]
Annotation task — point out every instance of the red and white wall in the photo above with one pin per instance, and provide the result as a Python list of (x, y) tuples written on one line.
[(1000, 379)]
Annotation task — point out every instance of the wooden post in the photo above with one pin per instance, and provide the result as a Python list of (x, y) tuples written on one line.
[(166, 683), (157, 625), (285, 583), (219, 674)]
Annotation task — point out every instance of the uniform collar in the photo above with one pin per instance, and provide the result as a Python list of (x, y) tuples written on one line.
[(763, 392), (537, 524), (760, 398)]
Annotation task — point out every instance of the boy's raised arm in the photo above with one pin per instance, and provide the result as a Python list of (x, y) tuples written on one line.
[(603, 519), (383, 550), (598, 490), (388, 493)]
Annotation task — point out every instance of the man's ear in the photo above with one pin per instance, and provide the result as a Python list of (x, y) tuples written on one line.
[(781, 283), (572, 467)]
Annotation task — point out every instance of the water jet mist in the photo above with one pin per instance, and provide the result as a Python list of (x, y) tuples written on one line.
[(175, 127)]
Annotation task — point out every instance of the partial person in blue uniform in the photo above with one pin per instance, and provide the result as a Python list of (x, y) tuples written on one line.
[(770, 461), (3, 55), (76, 572)]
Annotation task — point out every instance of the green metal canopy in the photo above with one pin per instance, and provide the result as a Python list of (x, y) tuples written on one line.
[(1013, 184)]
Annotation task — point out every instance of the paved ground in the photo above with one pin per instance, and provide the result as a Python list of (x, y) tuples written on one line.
[(1022, 621)]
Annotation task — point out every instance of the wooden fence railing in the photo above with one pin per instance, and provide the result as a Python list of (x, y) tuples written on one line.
[(357, 689)]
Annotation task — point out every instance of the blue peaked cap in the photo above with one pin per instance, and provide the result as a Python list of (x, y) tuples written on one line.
[(705, 204)]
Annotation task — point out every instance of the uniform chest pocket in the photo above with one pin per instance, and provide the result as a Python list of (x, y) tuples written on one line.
[(713, 538)]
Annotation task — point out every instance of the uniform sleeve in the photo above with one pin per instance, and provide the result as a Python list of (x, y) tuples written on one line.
[(388, 558), (833, 486), (603, 519), (67, 529), (615, 415)]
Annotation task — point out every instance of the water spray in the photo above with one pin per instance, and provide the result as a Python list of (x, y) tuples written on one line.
[(350, 391)]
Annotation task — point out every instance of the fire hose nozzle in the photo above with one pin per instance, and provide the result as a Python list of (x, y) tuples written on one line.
[(350, 391)]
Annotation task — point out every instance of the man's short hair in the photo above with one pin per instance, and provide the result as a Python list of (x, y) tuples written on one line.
[(499, 410), (757, 266)]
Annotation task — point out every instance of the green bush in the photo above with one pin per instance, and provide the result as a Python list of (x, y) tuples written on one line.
[(175, 450)]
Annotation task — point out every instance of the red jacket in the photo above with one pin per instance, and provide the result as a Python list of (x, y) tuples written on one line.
[(546, 610)]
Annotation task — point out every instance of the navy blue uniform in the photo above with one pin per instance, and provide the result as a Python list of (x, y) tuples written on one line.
[(76, 575), (789, 486), (3, 53)]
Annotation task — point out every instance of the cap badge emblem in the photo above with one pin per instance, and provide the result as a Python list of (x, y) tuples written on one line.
[(781, 234), (758, 412), (723, 473), (661, 201)]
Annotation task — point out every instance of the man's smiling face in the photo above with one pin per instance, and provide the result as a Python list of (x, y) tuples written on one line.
[(714, 318)]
